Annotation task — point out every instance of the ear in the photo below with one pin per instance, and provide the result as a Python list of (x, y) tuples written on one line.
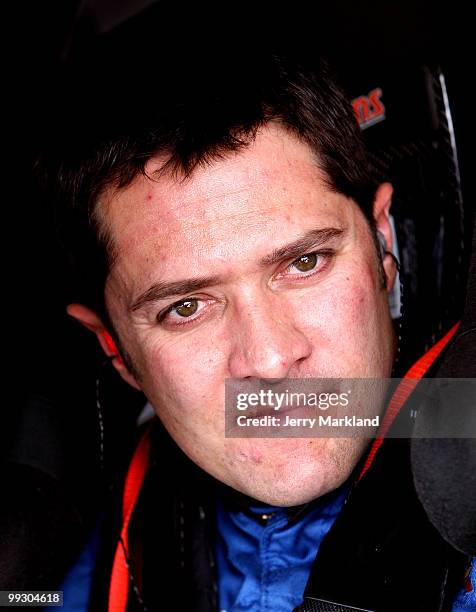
[(381, 212), (93, 322)]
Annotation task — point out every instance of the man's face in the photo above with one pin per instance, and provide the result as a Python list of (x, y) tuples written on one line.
[(217, 278)]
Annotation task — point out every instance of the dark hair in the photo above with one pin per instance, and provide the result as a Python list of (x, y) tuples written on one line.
[(191, 110)]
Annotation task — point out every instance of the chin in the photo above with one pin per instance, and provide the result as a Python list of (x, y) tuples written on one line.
[(297, 486), (289, 471), (296, 494)]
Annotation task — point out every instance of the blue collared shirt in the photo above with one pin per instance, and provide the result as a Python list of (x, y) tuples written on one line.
[(265, 567)]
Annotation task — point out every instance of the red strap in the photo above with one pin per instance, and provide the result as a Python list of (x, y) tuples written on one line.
[(119, 586), (403, 391)]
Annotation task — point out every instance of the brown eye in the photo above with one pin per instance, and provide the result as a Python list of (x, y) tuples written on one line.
[(187, 308), (306, 263)]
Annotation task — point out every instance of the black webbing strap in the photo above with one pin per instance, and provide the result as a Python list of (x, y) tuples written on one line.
[(312, 604)]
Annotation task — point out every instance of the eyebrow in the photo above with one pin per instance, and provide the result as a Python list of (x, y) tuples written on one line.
[(162, 290), (311, 240)]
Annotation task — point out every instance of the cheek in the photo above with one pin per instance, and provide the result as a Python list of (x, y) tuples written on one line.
[(345, 319), (183, 377), (336, 303)]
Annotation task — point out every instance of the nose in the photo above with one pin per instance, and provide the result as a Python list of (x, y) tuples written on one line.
[(266, 342)]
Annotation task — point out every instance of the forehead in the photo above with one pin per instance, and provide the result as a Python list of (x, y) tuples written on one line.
[(263, 190)]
